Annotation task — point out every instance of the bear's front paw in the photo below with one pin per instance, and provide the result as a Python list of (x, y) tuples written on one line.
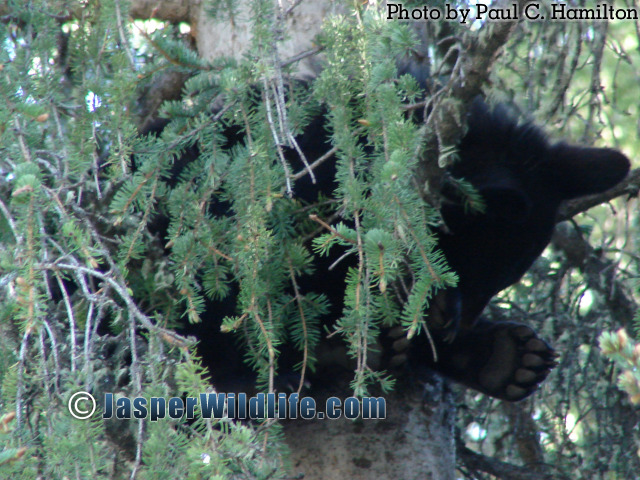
[(518, 363), (506, 360)]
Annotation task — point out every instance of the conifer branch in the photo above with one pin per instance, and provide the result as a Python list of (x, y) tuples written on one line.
[(303, 321), (328, 227)]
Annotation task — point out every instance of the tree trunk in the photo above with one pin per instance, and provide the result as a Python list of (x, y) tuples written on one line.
[(414, 441)]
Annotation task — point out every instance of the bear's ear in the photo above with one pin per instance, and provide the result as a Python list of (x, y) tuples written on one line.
[(580, 171)]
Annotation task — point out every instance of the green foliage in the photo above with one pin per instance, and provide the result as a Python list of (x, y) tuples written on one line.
[(83, 193), (626, 354), (391, 222)]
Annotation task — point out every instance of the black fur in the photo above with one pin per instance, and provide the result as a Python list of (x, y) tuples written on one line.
[(523, 179)]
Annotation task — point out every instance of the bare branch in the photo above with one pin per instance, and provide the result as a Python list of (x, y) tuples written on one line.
[(506, 471), (600, 272), (631, 186), (471, 71)]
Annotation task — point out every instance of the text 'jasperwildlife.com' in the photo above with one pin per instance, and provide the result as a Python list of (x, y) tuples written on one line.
[(237, 406)]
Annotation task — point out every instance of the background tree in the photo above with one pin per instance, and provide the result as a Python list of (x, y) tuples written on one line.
[(112, 241)]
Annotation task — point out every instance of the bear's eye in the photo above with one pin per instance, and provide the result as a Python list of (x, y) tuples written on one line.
[(506, 204)]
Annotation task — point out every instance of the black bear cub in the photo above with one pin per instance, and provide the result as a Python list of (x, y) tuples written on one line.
[(523, 179)]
